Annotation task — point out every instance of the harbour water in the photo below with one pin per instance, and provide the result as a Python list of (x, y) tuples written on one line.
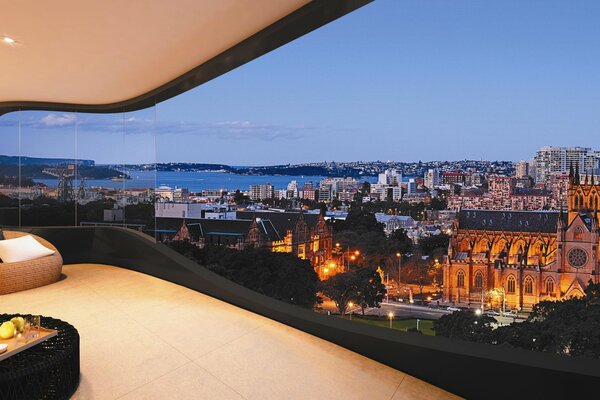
[(197, 181)]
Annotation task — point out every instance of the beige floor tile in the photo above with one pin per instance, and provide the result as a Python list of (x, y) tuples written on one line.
[(280, 362), (415, 389), (199, 328), (187, 382), (120, 356)]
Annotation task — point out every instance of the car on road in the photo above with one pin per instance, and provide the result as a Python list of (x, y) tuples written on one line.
[(509, 314), (451, 308), (492, 313)]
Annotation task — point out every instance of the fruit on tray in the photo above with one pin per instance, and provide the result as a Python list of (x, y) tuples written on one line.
[(7, 330), (19, 323)]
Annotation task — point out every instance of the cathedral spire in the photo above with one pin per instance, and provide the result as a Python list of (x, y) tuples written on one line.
[(586, 178), (560, 222), (592, 178), (571, 174), (577, 174)]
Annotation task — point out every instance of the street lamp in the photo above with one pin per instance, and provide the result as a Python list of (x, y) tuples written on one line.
[(338, 245), (399, 255), (350, 305), (391, 317)]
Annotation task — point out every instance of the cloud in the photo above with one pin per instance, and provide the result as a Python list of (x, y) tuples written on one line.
[(55, 120), (115, 124)]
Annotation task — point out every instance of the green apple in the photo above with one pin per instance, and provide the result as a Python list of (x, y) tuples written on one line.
[(7, 330), (19, 323)]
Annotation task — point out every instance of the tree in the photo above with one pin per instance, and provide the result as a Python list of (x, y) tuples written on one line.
[(282, 276), (464, 325), (362, 286), (240, 198), (400, 242), (430, 243), (369, 288), (340, 289), (568, 327)]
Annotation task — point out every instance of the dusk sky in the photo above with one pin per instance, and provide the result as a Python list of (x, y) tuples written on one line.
[(395, 80)]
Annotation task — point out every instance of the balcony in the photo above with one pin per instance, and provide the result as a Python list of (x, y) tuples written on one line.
[(154, 324), (143, 337)]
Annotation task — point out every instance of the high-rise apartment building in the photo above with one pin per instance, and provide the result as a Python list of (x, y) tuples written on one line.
[(559, 159), (522, 170), (390, 177), (261, 192), (432, 178)]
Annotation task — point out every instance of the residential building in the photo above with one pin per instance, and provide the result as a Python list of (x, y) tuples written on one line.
[(262, 192), (522, 170), (559, 159), (390, 177), (432, 178)]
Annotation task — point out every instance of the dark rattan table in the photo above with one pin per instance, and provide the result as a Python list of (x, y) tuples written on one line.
[(49, 370)]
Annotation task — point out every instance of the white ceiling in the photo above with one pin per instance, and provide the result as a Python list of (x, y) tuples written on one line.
[(105, 51)]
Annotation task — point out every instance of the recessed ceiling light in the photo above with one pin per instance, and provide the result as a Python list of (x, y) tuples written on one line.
[(8, 40)]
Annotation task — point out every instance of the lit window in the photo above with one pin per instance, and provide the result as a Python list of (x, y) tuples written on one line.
[(528, 286), (549, 285), (460, 279), (578, 233), (478, 280), (511, 284)]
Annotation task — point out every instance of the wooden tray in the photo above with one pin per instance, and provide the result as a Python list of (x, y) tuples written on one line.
[(15, 346)]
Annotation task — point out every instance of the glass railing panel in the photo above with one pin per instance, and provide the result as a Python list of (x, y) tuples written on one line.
[(100, 184), (139, 170), (9, 170), (48, 166)]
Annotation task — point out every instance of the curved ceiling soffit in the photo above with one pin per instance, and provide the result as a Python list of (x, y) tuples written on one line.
[(300, 22)]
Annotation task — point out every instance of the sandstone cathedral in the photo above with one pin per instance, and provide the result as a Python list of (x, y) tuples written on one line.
[(519, 258)]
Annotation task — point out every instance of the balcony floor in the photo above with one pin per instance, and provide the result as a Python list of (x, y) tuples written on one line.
[(145, 338)]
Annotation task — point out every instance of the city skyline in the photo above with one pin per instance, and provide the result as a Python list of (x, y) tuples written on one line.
[(528, 81)]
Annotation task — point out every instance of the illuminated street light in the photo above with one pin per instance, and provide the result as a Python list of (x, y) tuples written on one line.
[(357, 253), (353, 258), (350, 305), (399, 255), (478, 312), (391, 317)]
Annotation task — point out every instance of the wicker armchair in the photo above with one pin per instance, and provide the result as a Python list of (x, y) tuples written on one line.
[(24, 275)]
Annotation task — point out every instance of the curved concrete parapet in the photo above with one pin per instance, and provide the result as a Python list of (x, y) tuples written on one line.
[(467, 369)]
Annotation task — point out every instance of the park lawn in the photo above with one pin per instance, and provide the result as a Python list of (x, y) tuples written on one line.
[(425, 325)]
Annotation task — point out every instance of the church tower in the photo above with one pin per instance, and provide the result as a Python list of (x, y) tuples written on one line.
[(584, 196)]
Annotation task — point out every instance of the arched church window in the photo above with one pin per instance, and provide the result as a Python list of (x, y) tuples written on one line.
[(511, 284), (460, 279), (549, 285), (528, 285), (578, 233), (478, 280)]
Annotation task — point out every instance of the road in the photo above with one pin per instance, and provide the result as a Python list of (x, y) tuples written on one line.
[(400, 310), (403, 310)]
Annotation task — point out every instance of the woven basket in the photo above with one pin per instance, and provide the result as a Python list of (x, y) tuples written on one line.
[(24, 275)]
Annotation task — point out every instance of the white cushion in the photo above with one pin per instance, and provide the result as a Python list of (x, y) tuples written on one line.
[(24, 248)]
